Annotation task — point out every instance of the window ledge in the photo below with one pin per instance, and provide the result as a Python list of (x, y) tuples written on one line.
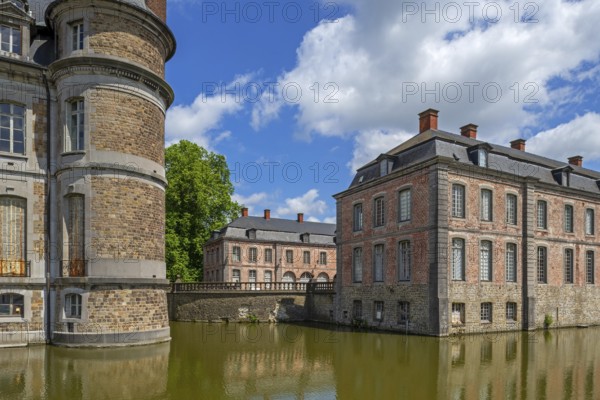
[(73, 153), (12, 319), (20, 157), (486, 322)]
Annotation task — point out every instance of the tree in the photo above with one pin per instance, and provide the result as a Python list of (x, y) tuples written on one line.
[(198, 201)]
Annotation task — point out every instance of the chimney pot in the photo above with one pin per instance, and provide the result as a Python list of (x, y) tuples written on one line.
[(300, 217), (469, 130), (576, 160), (428, 119), (518, 144), (267, 214), (244, 212)]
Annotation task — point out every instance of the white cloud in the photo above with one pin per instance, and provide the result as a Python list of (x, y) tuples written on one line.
[(198, 122), (577, 137), (369, 144), (308, 203), (330, 220), (254, 202), (377, 55)]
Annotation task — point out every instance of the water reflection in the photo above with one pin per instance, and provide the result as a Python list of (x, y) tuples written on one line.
[(295, 362)]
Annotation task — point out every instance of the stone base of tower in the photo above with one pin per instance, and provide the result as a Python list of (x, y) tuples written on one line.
[(110, 314)]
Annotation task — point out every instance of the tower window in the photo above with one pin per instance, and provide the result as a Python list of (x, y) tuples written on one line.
[(75, 125), (77, 36), (73, 305)]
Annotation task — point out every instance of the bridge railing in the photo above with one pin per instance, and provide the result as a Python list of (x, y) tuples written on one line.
[(311, 287)]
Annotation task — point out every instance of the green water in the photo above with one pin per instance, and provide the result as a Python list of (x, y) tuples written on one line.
[(294, 362)]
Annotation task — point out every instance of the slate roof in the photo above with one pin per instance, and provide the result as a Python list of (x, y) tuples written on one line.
[(283, 225), (38, 8), (432, 143)]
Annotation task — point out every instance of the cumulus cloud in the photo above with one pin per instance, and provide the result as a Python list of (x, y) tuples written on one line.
[(384, 64), (200, 121), (254, 202), (371, 143), (308, 203), (577, 137)]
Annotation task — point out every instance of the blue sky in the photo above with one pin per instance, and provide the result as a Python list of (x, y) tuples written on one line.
[(298, 94)]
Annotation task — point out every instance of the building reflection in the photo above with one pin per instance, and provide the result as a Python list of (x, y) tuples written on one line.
[(46, 372)]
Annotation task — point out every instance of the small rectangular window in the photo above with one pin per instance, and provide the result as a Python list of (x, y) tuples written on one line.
[(589, 267), (404, 260), (542, 262), (268, 278), (77, 36), (486, 312), (73, 305), (458, 201), (486, 205), (358, 217), (511, 312), (252, 254), (458, 259), (511, 262), (378, 263), (323, 258), (378, 311), (235, 275), (236, 254), (306, 257), (511, 209), (403, 312), (458, 313), (357, 265), (542, 216), (379, 212), (485, 261), (268, 255), (404, 205), (10, 39), (568, 265), (12, 128), (569, 218), (589, 221), (289, 256), (74, 134), (357, 309)]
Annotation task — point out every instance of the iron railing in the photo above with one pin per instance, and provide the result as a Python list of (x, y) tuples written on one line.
[(15, 268), (73, 268), (312, 287)]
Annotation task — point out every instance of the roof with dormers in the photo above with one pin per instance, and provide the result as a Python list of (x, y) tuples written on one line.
[(436, 143)]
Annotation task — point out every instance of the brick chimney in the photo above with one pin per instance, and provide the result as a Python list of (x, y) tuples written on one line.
[(267, 214), (469, 130), (576, 160), (244, 212), (300, 217), (428, 119), (518, 144)]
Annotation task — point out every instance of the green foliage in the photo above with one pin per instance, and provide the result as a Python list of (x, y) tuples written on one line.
[(198, 201), (548, 320), (253, 319)]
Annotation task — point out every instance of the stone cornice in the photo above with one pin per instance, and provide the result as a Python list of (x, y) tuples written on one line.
[(104, 65)]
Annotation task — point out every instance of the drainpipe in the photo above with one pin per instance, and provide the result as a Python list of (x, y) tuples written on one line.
[(47, 250)]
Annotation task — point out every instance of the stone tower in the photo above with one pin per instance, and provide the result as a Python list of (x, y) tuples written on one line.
[(82, 111), (109, 178)]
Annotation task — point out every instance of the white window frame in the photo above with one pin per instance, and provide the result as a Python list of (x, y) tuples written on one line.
[(236, 275), (404, 260), (542, 214), (74, 138), (73, 305), (252, 254), (458, 259), (511, 209), (379, 211), (404, 205), (77, 35), (487, 205), (357, 265), (268, 255), (323, 258), (486, 314), (485, 260), (306, 257), (458, 200), (13, 118), (236, 254), (569, 218), (511, 311), (511, 262), (590, 220), (378, 307), (289, 256), (9, 45)]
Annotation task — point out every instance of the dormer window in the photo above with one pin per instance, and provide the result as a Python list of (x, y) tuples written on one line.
[(251, 234), (10, 39), (385, 164), (305, 238), (479, 154), (562, 176)]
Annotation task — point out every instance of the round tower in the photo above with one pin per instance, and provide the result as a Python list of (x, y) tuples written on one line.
[(109, 179)]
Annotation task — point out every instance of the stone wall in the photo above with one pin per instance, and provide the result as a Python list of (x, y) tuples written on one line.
[(245, 307), (128, 219), (125, 123)]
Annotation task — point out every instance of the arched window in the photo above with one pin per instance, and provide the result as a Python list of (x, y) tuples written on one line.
[(11, 305), (12, 239), (323, 277), (305, 277), (73, 305), (12, 128), (289, 277)]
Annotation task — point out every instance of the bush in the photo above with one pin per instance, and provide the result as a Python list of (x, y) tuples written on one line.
[(548, 320)]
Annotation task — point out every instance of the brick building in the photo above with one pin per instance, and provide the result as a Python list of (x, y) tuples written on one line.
[(82, 108), (446, 234), (265, 249)]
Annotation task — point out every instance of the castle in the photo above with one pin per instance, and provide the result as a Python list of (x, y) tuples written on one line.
[(448, 234), (82, 111)]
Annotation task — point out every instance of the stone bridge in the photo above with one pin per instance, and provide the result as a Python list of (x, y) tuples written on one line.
[(251, 301)]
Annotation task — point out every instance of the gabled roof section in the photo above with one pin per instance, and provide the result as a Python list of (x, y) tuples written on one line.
[(16, 9)]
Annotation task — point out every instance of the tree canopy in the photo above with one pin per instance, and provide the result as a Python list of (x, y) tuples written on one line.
[(198, 201)]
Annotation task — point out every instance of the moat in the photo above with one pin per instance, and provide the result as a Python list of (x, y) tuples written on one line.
[(262, 361)]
